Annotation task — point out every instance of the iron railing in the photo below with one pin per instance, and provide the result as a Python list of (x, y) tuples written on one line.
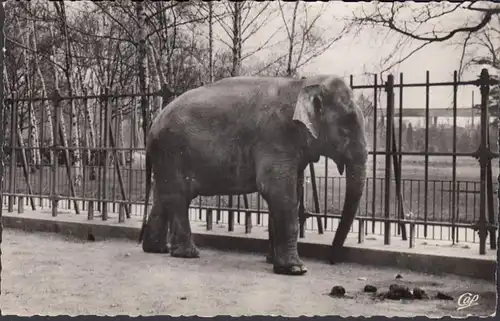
[(112, 176)]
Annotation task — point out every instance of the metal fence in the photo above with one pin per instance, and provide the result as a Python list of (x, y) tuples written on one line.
[(110, 177)]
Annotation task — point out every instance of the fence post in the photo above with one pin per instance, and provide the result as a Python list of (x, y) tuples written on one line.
[(107, 124), (248, 215), (209, 219), (90, 211), (13, 152), (389, 88), (230, 214), (484, 156), (55, 159), (315, 196), (20, 205)]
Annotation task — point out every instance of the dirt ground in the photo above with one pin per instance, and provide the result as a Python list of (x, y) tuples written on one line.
[(49, 274)]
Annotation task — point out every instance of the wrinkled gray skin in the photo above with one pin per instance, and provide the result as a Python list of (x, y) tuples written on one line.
[(251, 134)]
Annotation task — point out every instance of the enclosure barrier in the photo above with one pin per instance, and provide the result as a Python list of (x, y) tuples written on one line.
[(101, 175)]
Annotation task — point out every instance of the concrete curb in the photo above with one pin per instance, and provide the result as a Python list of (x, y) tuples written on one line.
[(425, 263)]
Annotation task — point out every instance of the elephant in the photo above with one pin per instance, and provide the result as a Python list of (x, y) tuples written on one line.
[(249, 134)]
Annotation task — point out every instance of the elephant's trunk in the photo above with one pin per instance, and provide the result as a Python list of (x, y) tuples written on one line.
[(355, 184)]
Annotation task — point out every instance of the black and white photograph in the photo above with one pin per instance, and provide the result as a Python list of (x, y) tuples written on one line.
[(249, 158)]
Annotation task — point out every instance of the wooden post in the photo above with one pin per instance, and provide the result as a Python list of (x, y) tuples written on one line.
[(412, 235), (361, 231), (230, 214), (248, 215), (107, 125), (209, 219), (13, 152), (20, 205), (55, 159), (121, 212), (90, 213)]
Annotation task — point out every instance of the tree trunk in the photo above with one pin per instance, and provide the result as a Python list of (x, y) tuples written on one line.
[(32, 119), (236, 47), (74, 115), (156, 76), (210, 42), (45, 106), (142, 67)]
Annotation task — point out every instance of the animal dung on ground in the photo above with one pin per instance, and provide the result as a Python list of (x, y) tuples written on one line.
[(398, 276), (443, 296), (337, 291), (398, 292), (419, 294), (370, 289)]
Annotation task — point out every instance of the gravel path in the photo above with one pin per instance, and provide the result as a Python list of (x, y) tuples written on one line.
[(49, 274)]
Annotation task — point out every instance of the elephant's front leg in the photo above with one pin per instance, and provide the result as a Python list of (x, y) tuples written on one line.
[(270, 253), (283, 206), (300, 194)]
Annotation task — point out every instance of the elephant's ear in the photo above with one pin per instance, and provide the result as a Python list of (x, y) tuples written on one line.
[(309, 104)]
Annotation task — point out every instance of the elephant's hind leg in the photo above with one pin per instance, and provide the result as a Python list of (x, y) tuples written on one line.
[(182, 244), (155, 233)]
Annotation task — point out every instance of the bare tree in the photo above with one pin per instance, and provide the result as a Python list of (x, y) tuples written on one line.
[(74, 134), (304, 37), (242, 21), (419, 25)]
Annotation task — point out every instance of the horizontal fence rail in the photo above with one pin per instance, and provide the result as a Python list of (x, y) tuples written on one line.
[(438, 190)]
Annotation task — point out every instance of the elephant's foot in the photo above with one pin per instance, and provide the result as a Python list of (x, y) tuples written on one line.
[(185, 251), (155, 247), (290, 270), (291, 266)]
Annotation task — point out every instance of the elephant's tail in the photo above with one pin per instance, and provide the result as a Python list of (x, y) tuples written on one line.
[(146, 201)]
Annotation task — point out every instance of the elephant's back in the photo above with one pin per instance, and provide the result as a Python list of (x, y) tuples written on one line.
[(231, 107)]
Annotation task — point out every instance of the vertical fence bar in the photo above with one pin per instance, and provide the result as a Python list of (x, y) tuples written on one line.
[(454, 160), (13, 152), (107, 125), (248, 215), (491, 211), (374, 169), (483, 155), (389, 87), (315, 197), (85, 153), (426, 156), (238, 206), (99, 152), (70, 144), (400, 203), (230, 214), (41, 127), (397, 166), (301, 213), (113, 127), (325, 201), (259, 214), (219, 212), (132, 152), (55, 159)]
